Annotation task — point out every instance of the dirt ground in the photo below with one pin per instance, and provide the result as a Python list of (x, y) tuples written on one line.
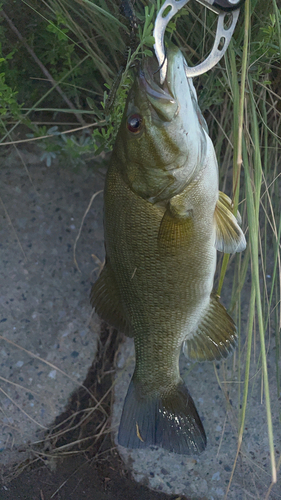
[(45, 308), (77, 479), (41, 212)]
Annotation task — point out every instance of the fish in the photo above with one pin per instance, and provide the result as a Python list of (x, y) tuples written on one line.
[(164, 220)]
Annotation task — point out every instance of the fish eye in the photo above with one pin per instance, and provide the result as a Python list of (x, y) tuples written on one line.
[(134, 123)]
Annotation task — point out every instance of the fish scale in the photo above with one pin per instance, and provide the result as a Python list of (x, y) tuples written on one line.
[(162, 228), (151, 278)]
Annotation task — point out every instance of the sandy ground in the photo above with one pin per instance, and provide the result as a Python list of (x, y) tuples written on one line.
[(48, 342)]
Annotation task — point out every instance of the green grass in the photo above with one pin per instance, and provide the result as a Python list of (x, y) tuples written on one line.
[(241, 102)]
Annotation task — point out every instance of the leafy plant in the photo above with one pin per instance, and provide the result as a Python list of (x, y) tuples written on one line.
[(116, 95), (9, 106)]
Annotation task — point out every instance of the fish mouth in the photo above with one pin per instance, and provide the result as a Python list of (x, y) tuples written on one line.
[(161, 97), (155, 91)]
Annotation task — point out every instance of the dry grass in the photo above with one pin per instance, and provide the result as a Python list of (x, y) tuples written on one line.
[(241, 101)]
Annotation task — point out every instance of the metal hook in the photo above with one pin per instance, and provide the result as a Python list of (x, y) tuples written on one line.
[(161, 22), (222, 39)]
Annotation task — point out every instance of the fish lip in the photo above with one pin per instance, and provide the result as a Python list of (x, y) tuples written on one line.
[(154, 90), (162, 102)]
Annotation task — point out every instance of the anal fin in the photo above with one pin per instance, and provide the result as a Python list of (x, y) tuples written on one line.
[(106, 301), (215, 336), (229, 236)]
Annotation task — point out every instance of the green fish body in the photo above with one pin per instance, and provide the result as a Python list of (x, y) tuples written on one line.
[(164, 220)]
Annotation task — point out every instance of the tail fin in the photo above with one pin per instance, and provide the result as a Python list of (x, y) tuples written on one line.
[(169, 421)]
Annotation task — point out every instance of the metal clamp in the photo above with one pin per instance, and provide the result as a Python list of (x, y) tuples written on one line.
[(222, 5), (222, 39)]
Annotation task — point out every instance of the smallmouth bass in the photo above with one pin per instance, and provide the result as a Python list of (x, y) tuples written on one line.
[(164, 220)]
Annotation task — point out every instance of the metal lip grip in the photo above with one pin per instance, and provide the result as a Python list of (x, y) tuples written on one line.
[(223, 34), (228, 5)]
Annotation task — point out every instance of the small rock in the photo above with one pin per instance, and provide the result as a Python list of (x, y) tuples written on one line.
[(216, 476), (52, 374)]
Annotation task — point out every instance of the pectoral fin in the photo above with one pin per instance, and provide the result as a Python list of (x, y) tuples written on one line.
[(229, 236), (174, 232), (215, 336), (106, 301)]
